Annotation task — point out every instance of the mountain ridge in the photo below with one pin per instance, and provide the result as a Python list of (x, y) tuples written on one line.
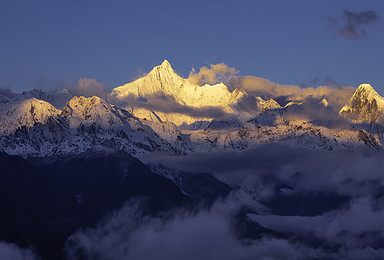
[(30, 126)]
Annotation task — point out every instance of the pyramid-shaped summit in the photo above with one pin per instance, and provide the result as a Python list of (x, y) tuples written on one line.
[(366, 106), (165, 65), (164, 81), (161, 79), (365, 92), (164, 71)]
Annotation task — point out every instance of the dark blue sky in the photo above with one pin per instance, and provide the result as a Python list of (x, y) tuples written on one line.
[(44, 43)]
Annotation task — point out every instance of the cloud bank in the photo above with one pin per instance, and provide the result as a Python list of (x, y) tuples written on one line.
[(337, 97), (351, 173), (355, 232), (168, 104), (348, 230), (206, 234)]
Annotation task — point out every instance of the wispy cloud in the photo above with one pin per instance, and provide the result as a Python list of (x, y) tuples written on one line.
[(216, 73), (255, 86), (336, 94), (206, 234), (89, 87), (168, 104), (351, 24)]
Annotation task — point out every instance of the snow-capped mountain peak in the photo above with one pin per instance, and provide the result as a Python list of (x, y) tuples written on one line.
[(163, 81), (324, 102), (164, 112), (267, 104), (165, 66), (366, 92), (366, 105), (82, 110), (366, 88), (24, 112)]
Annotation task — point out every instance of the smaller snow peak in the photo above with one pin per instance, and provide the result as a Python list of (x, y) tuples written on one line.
[(260, 99), (92, 110), (82, 103), (365, 87), (82, 99), (366, 106), (25, 112), (272, 103), (324, 102), (265, 105), (365, 91), (65, 91)]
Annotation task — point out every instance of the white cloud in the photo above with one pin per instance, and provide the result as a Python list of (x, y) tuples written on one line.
[(337, 97), (89, 87), (216, 73)]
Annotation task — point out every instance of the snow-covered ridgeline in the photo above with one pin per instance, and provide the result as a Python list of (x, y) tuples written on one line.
[(30, 126)]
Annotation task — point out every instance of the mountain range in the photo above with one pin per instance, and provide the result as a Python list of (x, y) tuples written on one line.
[(72, 160), (165, 112)]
